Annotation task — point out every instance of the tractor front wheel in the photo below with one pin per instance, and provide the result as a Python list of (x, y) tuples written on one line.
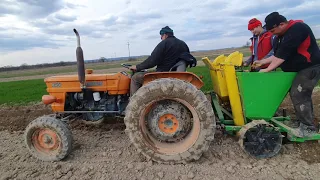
[(48, 139), (170, 121)]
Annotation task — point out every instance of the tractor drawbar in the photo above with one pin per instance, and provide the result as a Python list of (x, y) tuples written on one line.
[(80, 61)]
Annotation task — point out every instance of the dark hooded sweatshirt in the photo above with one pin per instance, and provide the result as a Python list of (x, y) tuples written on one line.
[(297, 47), (165, 54)]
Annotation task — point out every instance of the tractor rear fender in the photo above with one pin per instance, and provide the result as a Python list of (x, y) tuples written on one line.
[(185, 76)]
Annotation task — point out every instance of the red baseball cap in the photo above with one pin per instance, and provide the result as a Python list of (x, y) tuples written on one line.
[(253, 23)]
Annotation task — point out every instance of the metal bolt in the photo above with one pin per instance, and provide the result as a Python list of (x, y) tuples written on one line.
[(47, 140)]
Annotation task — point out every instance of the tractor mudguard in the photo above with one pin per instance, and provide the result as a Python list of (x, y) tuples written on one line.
[(185, 76)]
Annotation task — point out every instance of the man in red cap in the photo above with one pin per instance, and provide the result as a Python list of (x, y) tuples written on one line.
[(261, 43), (296, 50)]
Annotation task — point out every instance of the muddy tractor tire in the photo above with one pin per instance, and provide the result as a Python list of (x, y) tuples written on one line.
[(170, 121), (48, 139)]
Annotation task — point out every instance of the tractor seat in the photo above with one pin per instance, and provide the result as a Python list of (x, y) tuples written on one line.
[(180, 66)]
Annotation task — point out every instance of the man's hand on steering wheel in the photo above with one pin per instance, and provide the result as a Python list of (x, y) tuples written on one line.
[(133, 68)]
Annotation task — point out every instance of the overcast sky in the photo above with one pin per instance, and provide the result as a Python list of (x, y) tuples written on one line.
[(40, 31)]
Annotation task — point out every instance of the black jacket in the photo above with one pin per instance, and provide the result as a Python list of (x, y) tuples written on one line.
[(165, 55), (297, 47)]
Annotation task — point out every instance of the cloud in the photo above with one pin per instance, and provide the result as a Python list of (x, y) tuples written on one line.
[(94, 28), (100, 34), (23, 43), (254, 8), (107, 20), (106, 26), (74, 6), (306, 7), (30, 8), (8, 7), (85, 31), (51, 19), (64, 17), (316, 30), (15, 39), (308, 11), (134, 17), (128, 2)]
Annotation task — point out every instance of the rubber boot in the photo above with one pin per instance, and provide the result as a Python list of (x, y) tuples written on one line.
[(292, 123)]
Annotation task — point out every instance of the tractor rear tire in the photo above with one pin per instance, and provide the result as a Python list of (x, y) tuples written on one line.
[(170, 102), (48, 139)]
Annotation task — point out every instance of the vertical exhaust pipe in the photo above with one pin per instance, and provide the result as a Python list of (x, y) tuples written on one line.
[(80, 62)]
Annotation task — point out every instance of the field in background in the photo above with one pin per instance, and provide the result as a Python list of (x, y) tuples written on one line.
[(211, 54), (22, 92), (28, 91), (61, 69), (108, 65)]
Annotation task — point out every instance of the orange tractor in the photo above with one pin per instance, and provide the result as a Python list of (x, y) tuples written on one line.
[(168, 119)]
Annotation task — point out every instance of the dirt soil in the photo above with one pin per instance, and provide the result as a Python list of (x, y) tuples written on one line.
[(104, 152)]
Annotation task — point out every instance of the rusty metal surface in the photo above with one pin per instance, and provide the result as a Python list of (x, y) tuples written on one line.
[(179, 145)]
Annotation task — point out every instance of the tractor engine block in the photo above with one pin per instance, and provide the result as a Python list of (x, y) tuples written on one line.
[(96, 101)]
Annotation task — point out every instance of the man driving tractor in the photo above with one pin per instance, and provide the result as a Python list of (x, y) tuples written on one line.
[(164, 56), (295, 50)]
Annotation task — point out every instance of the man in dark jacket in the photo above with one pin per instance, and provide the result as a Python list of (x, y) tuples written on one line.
[(296, 50), (164, 56)]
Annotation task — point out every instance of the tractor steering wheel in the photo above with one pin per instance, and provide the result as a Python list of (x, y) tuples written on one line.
[(128, 67)]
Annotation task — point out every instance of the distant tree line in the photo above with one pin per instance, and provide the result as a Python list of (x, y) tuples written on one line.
[(36, 66), (61, 63)]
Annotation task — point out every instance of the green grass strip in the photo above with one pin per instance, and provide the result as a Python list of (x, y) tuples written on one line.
[(28, 91), (22, 92)]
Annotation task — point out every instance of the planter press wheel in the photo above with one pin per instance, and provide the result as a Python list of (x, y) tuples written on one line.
[(260, 139)]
